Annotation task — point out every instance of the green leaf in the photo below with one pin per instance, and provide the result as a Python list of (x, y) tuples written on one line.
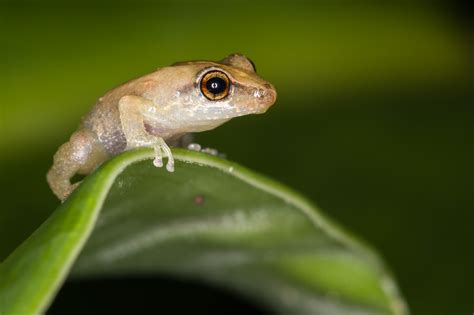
[(211, 220)]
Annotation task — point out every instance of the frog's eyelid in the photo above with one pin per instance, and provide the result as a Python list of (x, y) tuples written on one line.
[(239, 61), (206, 70)]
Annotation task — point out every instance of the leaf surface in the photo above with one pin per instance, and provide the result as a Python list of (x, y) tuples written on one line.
[(211, 220)]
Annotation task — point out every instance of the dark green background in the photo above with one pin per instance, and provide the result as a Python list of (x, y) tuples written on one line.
[(374, 120)]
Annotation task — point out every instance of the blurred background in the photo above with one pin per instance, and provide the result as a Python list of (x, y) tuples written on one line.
[(374, 120)]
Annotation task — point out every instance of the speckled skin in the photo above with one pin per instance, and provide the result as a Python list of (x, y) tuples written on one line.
[(154, 110)]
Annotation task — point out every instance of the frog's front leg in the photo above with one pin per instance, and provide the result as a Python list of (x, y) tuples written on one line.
[(132, 111)]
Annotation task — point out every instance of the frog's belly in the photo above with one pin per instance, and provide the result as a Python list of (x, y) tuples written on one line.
[(104, 121)]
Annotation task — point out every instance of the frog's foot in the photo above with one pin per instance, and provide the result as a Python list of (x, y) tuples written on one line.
[(210, 151), (160, 146), (80, 155), (197, 147)]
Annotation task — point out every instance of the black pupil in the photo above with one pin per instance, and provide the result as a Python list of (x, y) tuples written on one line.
[(216, 85)]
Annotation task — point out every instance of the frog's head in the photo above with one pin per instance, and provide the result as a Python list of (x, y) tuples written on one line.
[(206, 93), (248, 93)]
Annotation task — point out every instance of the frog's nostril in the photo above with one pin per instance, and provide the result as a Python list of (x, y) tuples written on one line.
[(258, 93)]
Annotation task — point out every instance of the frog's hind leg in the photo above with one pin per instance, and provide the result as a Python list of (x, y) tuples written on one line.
[(80, 155)]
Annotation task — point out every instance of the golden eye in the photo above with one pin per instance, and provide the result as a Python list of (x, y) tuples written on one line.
[(215, 85)]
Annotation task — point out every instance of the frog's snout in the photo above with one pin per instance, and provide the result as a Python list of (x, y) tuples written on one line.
[(271, 94), (266, 96)]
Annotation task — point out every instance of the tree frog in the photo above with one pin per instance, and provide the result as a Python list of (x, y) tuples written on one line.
[(157, 110)]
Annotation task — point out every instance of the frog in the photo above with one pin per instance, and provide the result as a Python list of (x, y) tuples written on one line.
[(158, 110)]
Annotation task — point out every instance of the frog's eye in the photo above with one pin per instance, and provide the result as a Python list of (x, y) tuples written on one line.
[(215, 85)]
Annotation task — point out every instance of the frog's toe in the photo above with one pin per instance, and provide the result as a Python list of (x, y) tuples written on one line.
[(158, 161), (194, 147), (214, 152), (170, 166), (210, 151)]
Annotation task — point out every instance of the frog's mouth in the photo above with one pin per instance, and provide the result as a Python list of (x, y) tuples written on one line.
[(195, 126), (203, 125)]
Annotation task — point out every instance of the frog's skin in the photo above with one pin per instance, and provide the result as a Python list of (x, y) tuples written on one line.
[(157, 109)]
